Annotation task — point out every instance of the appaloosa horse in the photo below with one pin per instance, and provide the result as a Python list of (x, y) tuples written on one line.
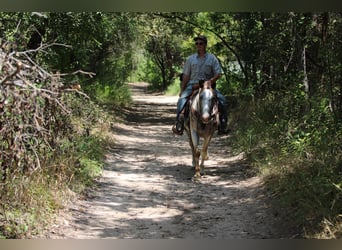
[(201, 121)]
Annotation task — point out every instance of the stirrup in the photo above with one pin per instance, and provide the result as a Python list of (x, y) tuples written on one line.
[(223, 128)]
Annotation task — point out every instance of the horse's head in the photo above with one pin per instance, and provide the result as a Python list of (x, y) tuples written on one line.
[(207, 103)]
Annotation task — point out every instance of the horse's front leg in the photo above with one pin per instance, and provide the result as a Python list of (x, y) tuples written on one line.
[(204, 153), (195, 153)]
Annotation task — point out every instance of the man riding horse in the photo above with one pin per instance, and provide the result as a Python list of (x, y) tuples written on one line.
[(201, 66)]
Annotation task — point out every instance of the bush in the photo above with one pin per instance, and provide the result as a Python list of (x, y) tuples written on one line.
[(110, 95), (296, 145), (50, 142)]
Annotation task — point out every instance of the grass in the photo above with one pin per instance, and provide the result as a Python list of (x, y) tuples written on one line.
[(29, 202), (301, 172), (303, 192)]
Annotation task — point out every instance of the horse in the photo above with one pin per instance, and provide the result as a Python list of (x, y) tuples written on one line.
[(200, 121)]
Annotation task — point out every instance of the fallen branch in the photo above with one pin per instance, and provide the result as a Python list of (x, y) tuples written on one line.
[(32, 117)]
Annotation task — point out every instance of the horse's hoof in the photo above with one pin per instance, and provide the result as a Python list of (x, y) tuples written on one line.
[(205, 157), (196, 178)]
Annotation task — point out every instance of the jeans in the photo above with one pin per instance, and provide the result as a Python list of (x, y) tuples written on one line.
[(185, 96)]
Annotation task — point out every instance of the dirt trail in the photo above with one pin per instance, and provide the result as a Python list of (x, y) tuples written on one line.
[(146, 191)]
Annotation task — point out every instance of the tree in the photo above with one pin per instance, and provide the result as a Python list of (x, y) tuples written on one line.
[(163, 47)]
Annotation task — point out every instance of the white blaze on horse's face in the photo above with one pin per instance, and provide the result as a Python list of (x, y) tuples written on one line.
[(206, 105)]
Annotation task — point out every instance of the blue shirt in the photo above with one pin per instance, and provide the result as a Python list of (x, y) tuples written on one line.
[(201, 68)]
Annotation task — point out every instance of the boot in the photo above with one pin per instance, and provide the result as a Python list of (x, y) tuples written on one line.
[(178, 128), (223, 129)]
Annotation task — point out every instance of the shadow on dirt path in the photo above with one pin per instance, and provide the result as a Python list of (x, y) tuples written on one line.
[(146, 191)]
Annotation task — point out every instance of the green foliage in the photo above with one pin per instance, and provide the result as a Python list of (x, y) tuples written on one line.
[(17, 224), (48, 143), (89, 163), (110, 95), (305, 192), (298, 155), (173, 89), (163, 51), (29, 201), (148, 72), (78, 43)]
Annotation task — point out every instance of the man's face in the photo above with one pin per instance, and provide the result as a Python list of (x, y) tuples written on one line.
[(200, 45)]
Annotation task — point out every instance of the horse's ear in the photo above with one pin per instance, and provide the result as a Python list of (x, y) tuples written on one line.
[(201, 83)]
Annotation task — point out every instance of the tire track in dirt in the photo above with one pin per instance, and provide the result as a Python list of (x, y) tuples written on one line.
[(146, 191)]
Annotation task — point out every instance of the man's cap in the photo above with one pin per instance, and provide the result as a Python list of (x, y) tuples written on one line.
[(200, 37)]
